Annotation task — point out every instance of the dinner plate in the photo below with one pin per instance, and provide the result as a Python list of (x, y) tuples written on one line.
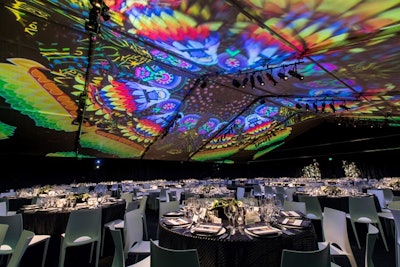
[(275, 234), (195, 231), (173, 214), (262, 230)]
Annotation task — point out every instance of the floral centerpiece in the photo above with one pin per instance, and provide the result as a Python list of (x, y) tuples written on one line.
[(225, 202), (331, 190), (312, 170), (351, 170), (222, 205), (79, 198), (394, 183)]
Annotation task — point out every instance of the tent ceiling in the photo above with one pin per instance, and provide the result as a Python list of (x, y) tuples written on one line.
[(155, 81)]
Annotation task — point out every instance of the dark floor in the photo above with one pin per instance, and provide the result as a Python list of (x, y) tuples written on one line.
[(79, 257)]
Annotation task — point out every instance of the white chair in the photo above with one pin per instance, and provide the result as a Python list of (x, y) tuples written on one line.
[(335, 232), (15, 223), (314, 258), (394, 208), (294, 206), (363, 210), (372, 235), (289, 191), (166, 207), (119, 257), (20, 248), (165, 257), (240, 193), (83, 227), (133, 235), (381, 198)]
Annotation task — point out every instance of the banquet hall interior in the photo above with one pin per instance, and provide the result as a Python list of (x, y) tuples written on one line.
[(225, 104)]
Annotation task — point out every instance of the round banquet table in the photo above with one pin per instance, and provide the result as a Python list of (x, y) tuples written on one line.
[(239, 250), (54, 223)]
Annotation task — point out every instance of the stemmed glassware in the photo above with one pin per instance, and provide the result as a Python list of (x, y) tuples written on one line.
[(230, 212)]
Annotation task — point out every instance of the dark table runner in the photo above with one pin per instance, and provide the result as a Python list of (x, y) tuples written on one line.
[(238, 250)]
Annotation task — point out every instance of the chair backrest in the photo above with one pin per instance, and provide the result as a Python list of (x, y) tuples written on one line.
[(289, 191), (394, 208), (143, 204), (313, 207), (22, 244), (165, 257), (334, 227), (372, 235), (132, 205), (167, 207), (3, 208), (363, 207), (119, 258), (133, 230), (128, 197), (388, 194), (314, 258), (15, 228), (379, 195), (3, 232), (295, 206), (257, 192), (84, 222), (240, 193), (164, 197), (268, 190)]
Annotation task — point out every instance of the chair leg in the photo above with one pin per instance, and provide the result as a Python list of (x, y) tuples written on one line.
[(145, 226), (91, 252), (383, 235), (46, 246), (102, 240), (62, 256), (355, 234), (97, 253)]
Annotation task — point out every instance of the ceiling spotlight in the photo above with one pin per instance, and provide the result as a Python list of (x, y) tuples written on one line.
[(298, 106), (315, 106), (260, 80), (296, 74), (283, 76), (236, 83), (332, 106), (271, 79), (253, 85), (245, 81)]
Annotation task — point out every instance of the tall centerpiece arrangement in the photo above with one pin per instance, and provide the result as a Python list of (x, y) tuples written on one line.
[(312, 170), (350, 169)]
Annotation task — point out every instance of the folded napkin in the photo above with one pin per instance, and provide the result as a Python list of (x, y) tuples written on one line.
[(207, 228), (290, 213), (176, 222), (294, 222), (263, 230)]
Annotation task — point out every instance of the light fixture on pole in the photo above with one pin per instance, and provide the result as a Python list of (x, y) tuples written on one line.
[(260, 80), (283, 76), (271, 78)]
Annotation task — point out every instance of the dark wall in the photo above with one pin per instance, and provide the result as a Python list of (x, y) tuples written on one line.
[(18, 172)]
